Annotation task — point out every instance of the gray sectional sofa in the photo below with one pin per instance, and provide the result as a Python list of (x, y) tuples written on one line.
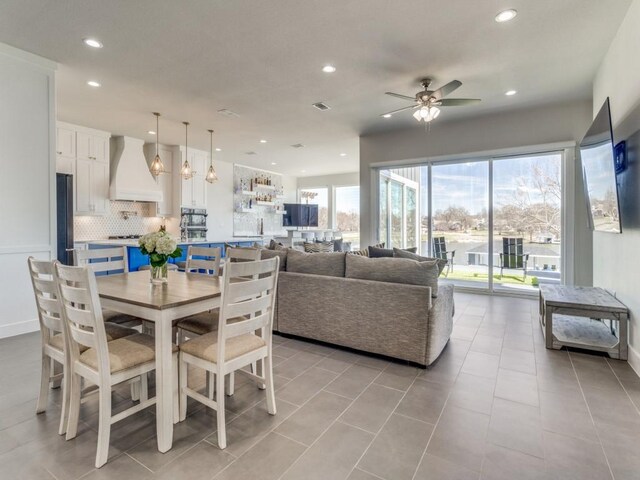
[(387, 306)]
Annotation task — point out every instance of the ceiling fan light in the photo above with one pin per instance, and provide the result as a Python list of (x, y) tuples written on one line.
[(434, 112), (417, 115)]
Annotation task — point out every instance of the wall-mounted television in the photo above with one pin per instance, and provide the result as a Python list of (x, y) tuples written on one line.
[(599, 173), (300, 215)]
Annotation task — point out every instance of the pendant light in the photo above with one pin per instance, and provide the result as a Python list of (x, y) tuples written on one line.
[(157, 167), (211, 173), (186, 170)]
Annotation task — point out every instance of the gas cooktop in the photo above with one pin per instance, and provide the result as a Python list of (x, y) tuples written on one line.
[(124, 237)]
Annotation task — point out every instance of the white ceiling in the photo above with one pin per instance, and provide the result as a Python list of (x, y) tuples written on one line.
[(262, 59)]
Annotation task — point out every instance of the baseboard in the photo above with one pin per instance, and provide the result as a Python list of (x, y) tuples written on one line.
[(19, 328), (634, 358)]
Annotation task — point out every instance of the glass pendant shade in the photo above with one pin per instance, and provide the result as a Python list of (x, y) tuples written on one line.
[(186, 171), (426, 113), (157, 167), (211, 176)]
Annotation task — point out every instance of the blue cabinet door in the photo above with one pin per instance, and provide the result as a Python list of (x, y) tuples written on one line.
[(136, 259)]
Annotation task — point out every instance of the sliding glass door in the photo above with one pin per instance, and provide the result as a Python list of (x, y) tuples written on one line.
[(497, 221)]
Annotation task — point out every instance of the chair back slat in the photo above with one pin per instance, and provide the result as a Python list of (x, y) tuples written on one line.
[(440, 247), (46, 296), (248, 290), (235, 254), (82, 313), (103, 259), (513, 252), (203, 258)]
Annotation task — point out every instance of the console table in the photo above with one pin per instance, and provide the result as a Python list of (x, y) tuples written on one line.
[(583, 317)]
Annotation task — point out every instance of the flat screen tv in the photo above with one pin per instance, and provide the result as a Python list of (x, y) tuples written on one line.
[(599, 173), (300, 215)]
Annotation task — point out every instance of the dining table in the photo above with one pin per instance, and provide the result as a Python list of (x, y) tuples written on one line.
[(184, 294)]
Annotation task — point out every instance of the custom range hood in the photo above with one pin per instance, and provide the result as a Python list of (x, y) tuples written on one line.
[(130, 176)]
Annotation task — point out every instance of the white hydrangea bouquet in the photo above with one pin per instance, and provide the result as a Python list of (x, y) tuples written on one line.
[(160, 247)]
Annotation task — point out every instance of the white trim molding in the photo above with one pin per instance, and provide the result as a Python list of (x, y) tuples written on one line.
[(19, 328)]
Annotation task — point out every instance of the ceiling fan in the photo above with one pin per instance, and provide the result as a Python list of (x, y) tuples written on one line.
[(426, 102)]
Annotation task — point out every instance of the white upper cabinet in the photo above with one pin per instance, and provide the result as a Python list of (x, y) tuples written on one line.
[(84, 153), (192, 192)]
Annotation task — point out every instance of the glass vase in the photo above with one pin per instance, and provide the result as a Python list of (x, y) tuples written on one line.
[(159, 274)]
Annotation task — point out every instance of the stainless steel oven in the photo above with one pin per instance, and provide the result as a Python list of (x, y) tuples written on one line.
[(193, 224)]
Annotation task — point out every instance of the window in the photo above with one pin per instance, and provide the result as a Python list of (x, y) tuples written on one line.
[(320, 197), (399, 200), (347, 216)]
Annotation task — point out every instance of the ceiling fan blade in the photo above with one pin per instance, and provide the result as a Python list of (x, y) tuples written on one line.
[(400, 110), (397, 95), (457, 102), (446, 89)]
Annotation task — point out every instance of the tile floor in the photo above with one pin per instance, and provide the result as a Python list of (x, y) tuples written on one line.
[(496, 405)]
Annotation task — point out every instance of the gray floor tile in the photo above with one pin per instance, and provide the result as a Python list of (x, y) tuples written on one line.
[(267, 460), (372, 408), (459, 437), (487, 344), (121, 467), (302, 388), (504, 464), (334, 364), (481, 365), (473, 393), (566, 414), (463, 333), (397, 449), (313, 418), (353, 381), (466, 320), (297, 364), (424, 401), (518, 360), (202, 461), (397, 376), (435, 468), (358, 474), (333, 456), (518, 341), (516, 426), (612, 406), (575, 459), (517, 387), (247, 429), (444, 371)]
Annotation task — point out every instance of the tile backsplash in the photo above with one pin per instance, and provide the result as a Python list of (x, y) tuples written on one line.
[(114, 222)]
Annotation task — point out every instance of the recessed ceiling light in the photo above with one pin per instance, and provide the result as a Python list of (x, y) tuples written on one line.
[(273, 163), (93, 83), (263, 141), (506, 15), (151, 132), (343, 154), (328, 69), (218, 149), (92, 42), (387, 115), (509, 93)]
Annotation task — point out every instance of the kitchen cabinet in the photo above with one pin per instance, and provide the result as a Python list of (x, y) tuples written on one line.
[(91, 186), (65, 140), (92, 146), (190, 193)]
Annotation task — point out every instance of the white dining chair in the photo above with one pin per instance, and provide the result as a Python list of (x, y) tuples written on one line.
[(54, 335), (239, 254), (203, 258), (248, 292), (106, 260), (102, 363)]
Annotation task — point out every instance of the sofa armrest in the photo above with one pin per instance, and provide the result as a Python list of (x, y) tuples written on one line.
[(440, 322)]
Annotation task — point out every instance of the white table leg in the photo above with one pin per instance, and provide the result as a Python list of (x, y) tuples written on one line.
[(164, 385)]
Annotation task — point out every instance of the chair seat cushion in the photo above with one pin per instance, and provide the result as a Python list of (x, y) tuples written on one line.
[(117, 317), (113, 331), (206, 346), (125, 353), (205, 322)]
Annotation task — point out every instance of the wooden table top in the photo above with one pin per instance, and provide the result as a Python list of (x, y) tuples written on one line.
[(593, 298), (135, 288)]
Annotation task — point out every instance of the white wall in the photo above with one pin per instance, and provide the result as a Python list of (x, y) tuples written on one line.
[(498, 133), (616, 264), (27, 181)]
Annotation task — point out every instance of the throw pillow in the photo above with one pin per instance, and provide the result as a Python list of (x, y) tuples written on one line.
[(273, 245), (330, 264), (266, 254), (394, 270), (338, 245), (318, 247), (412, 256), (377, 252), (363, 253)]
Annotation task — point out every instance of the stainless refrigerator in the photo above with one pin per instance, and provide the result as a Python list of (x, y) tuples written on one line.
[(64, 209)]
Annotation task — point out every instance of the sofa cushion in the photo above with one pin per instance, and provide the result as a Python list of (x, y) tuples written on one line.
[(398, 253), (394, 270), (318, 247), (266, 254), (330, 264), (377, 252)]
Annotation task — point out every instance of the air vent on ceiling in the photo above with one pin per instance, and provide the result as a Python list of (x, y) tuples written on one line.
[(321, 106), (297, 145), (228, 113), (250, 153)]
